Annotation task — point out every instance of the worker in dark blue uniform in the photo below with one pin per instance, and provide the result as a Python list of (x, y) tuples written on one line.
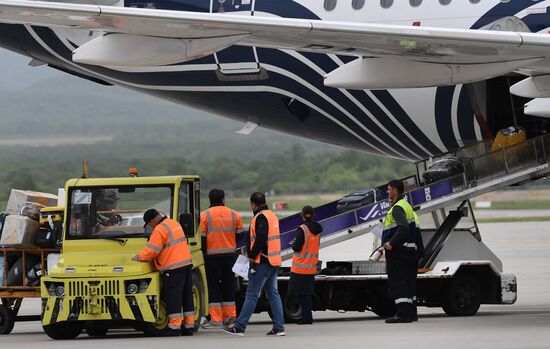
[(399, 240)]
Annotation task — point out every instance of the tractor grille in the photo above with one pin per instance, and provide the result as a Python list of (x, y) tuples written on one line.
[(103, 288), (108, 305), (106, 294)]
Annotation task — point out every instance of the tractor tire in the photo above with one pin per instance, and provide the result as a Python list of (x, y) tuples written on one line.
[(7, 319), (64, 330), (462, 297)]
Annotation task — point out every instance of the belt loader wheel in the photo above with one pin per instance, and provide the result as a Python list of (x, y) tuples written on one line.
[(291, 308), (462, 297), (7, 319), (64, 330), (383, 306)]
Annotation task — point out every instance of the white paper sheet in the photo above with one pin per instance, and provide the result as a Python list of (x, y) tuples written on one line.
[(377, 231), (241, 267)]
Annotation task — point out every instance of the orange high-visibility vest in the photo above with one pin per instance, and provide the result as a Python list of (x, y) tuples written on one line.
[(273, 238), (219, 225), (305, 260), (167, 246)]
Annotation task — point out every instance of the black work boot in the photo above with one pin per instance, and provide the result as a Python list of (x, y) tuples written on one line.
[(402, 315), (171, 332), (396, 319), (186, 331)]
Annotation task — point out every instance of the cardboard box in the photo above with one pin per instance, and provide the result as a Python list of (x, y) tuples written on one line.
[(18, 198), (19, 230)]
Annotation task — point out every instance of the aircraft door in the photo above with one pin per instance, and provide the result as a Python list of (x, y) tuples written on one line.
[(236, 59)]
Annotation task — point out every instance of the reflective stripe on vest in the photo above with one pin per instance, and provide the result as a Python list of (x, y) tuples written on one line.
[(177, 265), (305, 261), (390, 227), (175, 253), (273, 238), (153, 247), (170, 234), (221, 230)]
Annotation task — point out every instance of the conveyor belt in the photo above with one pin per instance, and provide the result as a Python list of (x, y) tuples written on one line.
[(488, 172)]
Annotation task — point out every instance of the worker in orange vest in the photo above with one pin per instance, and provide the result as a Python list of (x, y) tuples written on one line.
[(265, 259), (167, 248), (219, 227), (304, 262)]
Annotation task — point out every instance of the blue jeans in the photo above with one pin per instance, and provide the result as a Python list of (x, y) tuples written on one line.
[(265, 277)]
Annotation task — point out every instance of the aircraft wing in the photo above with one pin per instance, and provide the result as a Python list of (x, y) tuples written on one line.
[(388, 55)]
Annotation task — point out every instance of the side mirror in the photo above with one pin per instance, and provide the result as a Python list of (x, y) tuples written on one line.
[(186, 222)]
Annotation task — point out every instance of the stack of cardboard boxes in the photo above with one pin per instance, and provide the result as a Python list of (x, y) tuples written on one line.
[(22, 220), (19, 225)]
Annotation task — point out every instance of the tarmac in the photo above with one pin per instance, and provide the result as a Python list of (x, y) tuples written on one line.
[(512, 213), (524, 249)]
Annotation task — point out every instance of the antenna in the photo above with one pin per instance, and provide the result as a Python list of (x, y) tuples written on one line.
[(85, 169)]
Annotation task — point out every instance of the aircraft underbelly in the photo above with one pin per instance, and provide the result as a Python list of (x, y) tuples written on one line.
[(284, 92)]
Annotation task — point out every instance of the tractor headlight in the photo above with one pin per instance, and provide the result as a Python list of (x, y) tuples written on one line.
[(60, 291), (132, 289), (136, 286), (51, 289), (55, 289), (143, 284)]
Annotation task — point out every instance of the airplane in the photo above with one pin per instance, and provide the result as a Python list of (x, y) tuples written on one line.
[(405, 79)]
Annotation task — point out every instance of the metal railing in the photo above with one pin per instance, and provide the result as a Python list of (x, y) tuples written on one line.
[(481, 164)]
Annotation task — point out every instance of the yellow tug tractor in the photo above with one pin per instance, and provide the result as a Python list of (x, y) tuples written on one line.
[(94, 285)]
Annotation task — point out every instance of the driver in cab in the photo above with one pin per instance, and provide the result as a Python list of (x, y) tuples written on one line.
[(106, 204)]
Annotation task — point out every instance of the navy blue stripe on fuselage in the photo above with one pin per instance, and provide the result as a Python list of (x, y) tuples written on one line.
[(406, 121), (538, 21), (179, 5), (443, 116), (291, 64), (389, 125), (466, 118), (391, 104), (323, 61), (502, 10), (327, 64), (364, 100), (347, 59), (281, 8), (284, 8), (202, 60)]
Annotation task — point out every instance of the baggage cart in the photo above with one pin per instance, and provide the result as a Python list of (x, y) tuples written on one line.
[(11, 297)]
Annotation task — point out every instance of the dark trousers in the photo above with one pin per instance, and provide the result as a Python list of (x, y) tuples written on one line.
[(401, 268), (221, 287), (177, 293), (305, 302)]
